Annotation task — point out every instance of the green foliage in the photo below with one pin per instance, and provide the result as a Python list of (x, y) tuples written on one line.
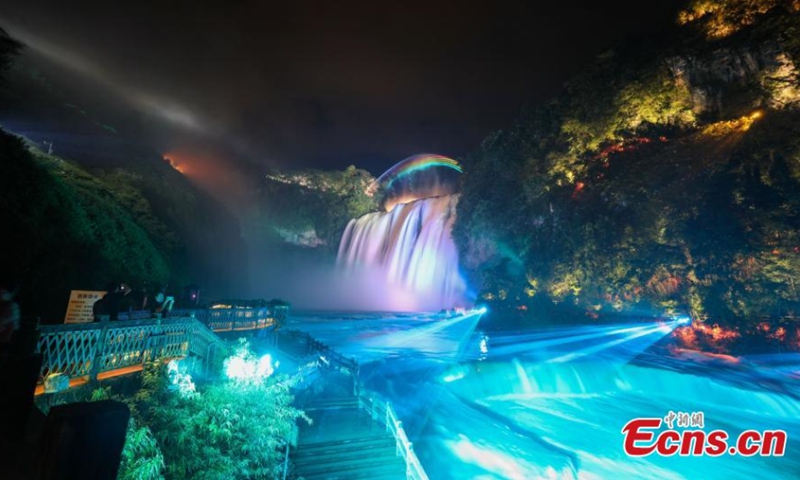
[(226, 430), (141, 457), (70, 228), (616, 198), (124, 247), (643, 99), (64, 230), (720, 18), (200, 239), (313, 204), (127, 186)]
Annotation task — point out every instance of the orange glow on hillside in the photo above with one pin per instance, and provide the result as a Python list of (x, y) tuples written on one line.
[(174, 164), (213, 170)]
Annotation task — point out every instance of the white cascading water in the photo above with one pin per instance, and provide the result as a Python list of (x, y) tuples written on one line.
[(410, 249)]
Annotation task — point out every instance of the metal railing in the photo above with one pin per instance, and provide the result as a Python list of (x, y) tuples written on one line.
[(79, 350), (229, 319), (323, 352), (367, 401), (378, 408)]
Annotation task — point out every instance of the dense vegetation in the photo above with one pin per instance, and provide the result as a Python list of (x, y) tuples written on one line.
[(228, 429), (69, 227), (107, 210), (311, 208), (200, 238), (63, 229), (666, 178)]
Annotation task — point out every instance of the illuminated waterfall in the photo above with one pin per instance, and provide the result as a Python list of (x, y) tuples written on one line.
[(408, 250)]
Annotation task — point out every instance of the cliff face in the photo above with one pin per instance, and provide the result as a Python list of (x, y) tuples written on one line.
[(665, 179), (727, 81)]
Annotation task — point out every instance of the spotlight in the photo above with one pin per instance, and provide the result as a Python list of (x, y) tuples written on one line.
[(682, 319), (482, 310)]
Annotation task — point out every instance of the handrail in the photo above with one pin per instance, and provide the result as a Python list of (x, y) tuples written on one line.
[(326, 353), (80, 350), (368, 401), (286, 461), (230, 319), (376, 406)]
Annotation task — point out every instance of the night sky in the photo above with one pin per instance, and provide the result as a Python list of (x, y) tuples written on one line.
[(318, 84)]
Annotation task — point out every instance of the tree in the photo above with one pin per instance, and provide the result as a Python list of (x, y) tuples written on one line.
[(720, 18), (227, 429)]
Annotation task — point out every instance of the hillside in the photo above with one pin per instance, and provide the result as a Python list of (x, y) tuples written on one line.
[(665, 179), (71, 227), (310, 208), (200, 237), (65, 231)]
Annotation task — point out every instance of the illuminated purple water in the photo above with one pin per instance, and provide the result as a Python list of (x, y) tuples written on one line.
[(409, 254)]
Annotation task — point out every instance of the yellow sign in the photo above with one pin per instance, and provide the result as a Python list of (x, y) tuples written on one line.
[(81, 303)]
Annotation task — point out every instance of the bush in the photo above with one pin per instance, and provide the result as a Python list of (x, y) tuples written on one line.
[(224, 430)]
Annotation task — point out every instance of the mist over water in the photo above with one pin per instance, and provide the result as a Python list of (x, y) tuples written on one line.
[(399, 260), (311, 280)]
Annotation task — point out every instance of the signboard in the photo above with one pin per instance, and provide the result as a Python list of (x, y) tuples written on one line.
[(81, 303)]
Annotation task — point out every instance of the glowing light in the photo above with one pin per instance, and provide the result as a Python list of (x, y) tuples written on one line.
[(725, 127), (244, 367), (496, 461), (521, 415), (454, 376), (410, 165), (175, 165), (144, 101), (667, 327), (679, 319), (180, 381), (241, 369)]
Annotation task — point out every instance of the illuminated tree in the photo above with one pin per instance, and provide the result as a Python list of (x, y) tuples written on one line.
[(720, 18)]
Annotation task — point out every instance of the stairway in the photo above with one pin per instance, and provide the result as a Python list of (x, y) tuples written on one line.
[(372, 457), (343, 442)]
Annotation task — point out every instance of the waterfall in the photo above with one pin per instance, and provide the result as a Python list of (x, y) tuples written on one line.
[(409, 250)]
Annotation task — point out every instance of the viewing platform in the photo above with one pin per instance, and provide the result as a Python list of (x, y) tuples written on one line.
[(74, 354), (354, 434)]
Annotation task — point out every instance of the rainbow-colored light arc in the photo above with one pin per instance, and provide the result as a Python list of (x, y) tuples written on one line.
[(413, 164)]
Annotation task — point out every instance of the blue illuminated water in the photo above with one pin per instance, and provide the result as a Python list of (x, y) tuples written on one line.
[(551, 403)]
